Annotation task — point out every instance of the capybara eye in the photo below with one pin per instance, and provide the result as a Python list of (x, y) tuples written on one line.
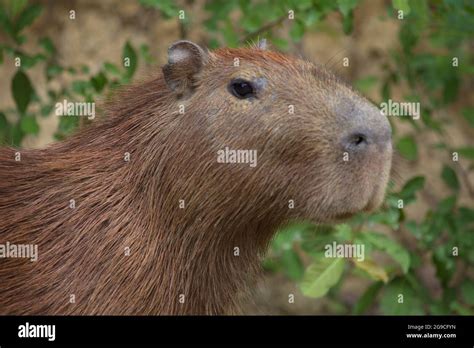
[(241, 89)]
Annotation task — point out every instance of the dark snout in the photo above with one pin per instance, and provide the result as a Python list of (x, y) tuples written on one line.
[(361, 137), (366, 127)]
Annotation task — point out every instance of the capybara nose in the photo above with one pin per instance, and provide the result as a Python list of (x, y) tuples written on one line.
[(360, 139), (363, 126), (356, 140)]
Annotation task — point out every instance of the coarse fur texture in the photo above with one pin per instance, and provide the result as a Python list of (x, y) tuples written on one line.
[(135, 204)]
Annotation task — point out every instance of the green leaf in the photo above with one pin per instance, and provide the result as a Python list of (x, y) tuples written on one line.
[(467, 291), (22, 91), (389, 218), (450, 89), (400, 299), (444, 264), (439, 308), (16, 6), (129, 58), (411, 186), (67, 125), (386, 90), (303, 4), (315, 238), (251, 22), (343, 232), (408, 39), (99, 81), (145, 53), (460, 309), (348, 23), (280, 43), (3, 128), (297, 30), (468, 114), (392, 248), (29, 125), (311, 17), (346, 6), (408, 148), (292, 264), (450, 178), (53, 70), (321, 276), (6, 24), (375, 271), (112, 69), (219, 10), (401, 5), (446, 205), (367, 299), (270, 264), (47, 45), (365, 84), (213, 44), (167, 7), (46, 109), (466, 215), (28, 61), (3, 121), (284, 239), (16, 135), (81, 87), (467, 152), (230, 35), (27, 17)]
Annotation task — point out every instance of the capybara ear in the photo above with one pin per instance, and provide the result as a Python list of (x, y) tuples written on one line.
[(185, 60)]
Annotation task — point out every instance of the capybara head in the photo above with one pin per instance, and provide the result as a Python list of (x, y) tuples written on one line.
[(308, 142), (213, 155)]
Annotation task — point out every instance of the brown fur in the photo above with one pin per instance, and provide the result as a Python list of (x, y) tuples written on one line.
[(135, 204)]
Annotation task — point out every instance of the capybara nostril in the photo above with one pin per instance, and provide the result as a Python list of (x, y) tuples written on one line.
[(360, 139), (356, 141)]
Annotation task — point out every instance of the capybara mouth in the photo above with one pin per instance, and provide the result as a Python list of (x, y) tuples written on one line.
[(343, 216), (375, 201), (368, 208)]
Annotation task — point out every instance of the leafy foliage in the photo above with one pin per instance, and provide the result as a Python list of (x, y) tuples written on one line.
[(15, 17), (322, 275)]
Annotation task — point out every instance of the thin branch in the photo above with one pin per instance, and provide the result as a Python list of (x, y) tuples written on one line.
[(263, 29), (465, 178), (183, 30)]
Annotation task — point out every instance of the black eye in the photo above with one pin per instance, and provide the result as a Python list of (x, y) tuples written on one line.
[(241, 89)]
